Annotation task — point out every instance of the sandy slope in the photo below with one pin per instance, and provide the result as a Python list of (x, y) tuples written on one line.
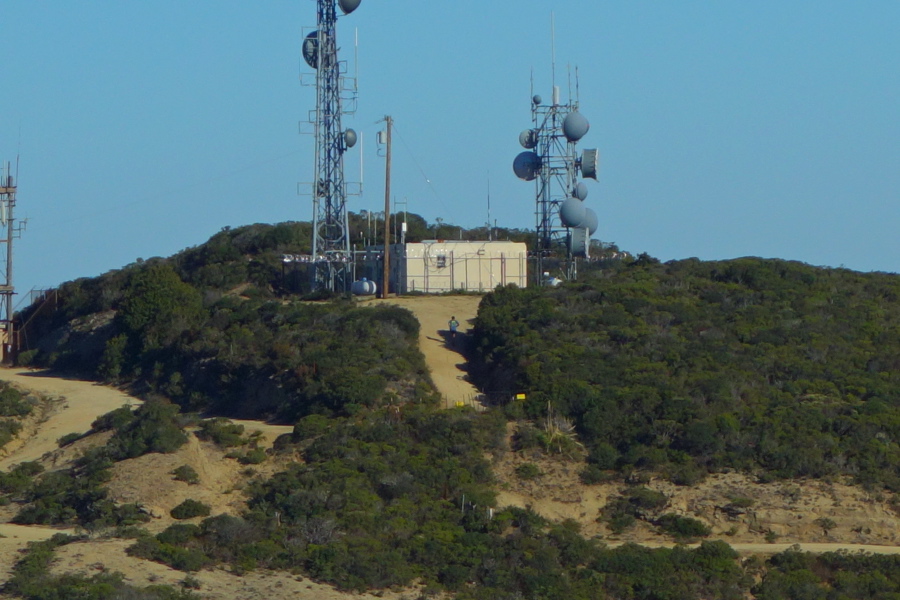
[(77, 404), (444, 358)]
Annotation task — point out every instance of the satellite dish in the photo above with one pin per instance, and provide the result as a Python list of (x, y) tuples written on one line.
[(348, 6), (310, 49), (536, 99), (591, 221), (581, 191), (526, 165), (590, 164), (575, 126), (528, 138), (572, 212), (350, 138)]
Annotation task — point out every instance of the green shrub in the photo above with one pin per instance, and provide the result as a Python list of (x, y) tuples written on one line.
[(178, 534), (528, 471), (253, 457), (116, 419), (190, 509), (182, 559), (154, 428), (222, 432), (682, 527), (27, 358), (68, 439), (14, 403), (635, 503), (9, 429), (187, 474), (20, 477), (311, 426)]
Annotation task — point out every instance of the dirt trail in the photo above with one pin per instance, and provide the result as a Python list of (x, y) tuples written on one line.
[(77, 404), (443, 356)]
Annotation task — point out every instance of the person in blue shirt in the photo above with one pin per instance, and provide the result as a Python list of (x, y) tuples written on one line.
[(454, 325)]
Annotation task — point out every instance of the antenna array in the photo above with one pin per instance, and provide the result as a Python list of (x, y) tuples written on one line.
[(551, 160), (331, 255)]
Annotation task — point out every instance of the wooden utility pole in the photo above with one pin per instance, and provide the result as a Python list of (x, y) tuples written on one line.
[(385, 289)]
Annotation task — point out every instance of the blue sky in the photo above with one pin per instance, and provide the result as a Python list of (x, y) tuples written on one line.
[(725, 129)]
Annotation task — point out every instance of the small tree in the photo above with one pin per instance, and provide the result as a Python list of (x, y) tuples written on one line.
[(826, 524)]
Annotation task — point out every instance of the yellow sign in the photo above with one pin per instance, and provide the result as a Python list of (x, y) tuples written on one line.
[(520, 396)]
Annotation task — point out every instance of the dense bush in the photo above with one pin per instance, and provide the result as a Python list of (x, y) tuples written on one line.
[(155, 428), (19, 478), (222, 432), (187, 474), (14, 403), (689, 367), (177, 557), (247, 356), (190, 509), (682, 527)]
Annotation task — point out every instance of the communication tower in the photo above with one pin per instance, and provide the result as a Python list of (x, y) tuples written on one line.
[(331, 256), (564, 225), (9, 230)]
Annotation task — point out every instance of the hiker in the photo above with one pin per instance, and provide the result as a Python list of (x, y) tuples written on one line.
[(454, 324)]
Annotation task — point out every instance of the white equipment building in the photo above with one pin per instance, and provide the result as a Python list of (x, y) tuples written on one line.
[(437, 266)]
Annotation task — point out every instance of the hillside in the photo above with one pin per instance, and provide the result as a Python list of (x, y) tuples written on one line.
[(557, 493), (739, 405), (767, 367)]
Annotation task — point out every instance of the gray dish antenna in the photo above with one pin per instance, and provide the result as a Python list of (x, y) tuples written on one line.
[(527, 165), (581, 191), (350, 138), (575, 126), (348, 6), (572, 212), (310, 49), (528, 138)]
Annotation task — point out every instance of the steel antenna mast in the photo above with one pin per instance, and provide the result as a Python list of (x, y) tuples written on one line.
[(331, 255), (13, 230)]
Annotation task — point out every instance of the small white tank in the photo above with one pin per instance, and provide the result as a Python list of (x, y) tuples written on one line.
[(363, 287)]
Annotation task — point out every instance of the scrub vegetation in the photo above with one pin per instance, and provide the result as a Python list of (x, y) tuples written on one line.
[(640, 368)]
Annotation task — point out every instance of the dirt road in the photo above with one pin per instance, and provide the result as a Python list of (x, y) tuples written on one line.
[(77, 404), (443, 355)]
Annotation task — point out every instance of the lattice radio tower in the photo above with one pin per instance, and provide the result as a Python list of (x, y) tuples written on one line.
[(563, 223), (9, 230), (331, 256)]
